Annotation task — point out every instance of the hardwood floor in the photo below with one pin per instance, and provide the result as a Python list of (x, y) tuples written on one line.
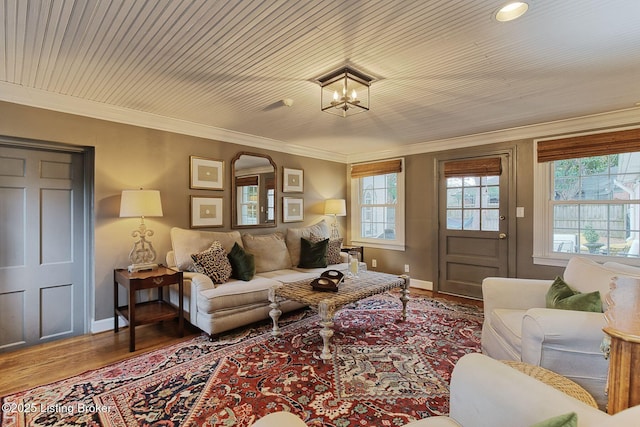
[(45, 363)]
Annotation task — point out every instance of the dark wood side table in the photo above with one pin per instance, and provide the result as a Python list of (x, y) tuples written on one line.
[(150, 311), (359, 249)]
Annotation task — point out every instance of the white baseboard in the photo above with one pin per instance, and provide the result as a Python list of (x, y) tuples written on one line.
[(421, 284), (103, 325)]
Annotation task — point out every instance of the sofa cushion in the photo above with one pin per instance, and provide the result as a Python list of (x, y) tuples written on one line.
[(236, 294), (187, 242), (292, 275), (320, 229), (213, 262), (562, 296), (342, 267), (313, 254), (243, 265), (270, 251)]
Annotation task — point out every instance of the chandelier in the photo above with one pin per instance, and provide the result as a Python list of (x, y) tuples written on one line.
[(345, 92)]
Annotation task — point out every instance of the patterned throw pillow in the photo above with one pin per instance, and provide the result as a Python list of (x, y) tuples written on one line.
[(333, 250), (213, 262)]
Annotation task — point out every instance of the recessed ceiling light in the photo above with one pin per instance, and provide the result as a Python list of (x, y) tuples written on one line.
[(511, 11)]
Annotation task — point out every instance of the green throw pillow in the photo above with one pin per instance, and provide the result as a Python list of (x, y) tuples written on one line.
[(563, 297), (313, 255), (243, 266), (565, 420)]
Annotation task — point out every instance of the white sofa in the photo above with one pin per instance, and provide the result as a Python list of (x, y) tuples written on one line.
[(216, 308), (487, 393), (517, 326)]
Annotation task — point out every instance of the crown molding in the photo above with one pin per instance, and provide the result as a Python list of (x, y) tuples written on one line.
[(587, 124), (68, 104)]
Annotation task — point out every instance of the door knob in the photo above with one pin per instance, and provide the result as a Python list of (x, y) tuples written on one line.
[(502, 236)]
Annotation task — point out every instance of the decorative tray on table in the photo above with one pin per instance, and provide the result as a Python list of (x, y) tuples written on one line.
[(328, 281)]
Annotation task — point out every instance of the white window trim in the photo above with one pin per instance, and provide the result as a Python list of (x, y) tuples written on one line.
[(543, 218), (396, 245)]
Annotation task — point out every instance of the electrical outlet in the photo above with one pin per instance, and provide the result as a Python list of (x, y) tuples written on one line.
[(406, 268), (374, 263)]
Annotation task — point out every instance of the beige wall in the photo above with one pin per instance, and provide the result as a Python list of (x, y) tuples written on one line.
[(129, 157)]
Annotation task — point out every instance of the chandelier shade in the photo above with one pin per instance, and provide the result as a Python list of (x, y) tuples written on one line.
[(345, 92)]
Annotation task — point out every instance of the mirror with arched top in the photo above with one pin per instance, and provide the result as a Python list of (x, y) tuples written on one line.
[(253, 193)]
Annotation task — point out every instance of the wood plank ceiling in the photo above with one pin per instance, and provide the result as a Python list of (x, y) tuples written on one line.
[(443, 68)]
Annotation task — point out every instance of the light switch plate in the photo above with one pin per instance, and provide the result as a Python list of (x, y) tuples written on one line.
[(520, 212)]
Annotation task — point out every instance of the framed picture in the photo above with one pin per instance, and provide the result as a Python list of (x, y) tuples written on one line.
[(206, 211), (292, 209), (206, 174), (292, 180)]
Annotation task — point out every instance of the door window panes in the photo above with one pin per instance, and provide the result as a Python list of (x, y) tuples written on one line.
[(473, 203)]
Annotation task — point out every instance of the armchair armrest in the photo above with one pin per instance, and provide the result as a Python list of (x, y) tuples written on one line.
[(565, 331), (512, 398), (511, 293)]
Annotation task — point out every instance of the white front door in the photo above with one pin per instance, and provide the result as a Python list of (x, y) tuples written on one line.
[(42, 248)]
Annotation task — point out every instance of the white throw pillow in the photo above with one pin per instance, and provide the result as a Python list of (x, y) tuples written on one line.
[(269, 251), (187, 242)]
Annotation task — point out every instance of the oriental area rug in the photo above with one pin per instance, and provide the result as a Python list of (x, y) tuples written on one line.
[(384, 372)]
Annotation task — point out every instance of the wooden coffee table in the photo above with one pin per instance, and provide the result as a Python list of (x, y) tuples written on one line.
[(368, 283)]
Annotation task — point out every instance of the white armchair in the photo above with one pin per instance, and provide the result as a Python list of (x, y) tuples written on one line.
[(517, 326)]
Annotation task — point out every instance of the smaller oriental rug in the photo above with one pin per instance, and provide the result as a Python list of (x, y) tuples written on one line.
[(383, 372)]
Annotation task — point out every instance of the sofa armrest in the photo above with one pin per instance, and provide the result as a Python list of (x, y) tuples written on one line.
[(565, 330), (511, 293), (199, 282), (488, 393), (194, 283)]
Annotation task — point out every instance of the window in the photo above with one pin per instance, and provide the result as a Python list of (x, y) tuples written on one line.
[(247, 188), (271, 205), (587, 195), (377, 214)]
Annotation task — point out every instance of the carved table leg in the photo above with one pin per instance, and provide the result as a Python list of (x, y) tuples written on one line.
[(275, 312), (326, 316), (405, 296)]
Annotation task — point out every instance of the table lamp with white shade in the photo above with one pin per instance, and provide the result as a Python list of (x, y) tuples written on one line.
[(141, 203), (335, 207)]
